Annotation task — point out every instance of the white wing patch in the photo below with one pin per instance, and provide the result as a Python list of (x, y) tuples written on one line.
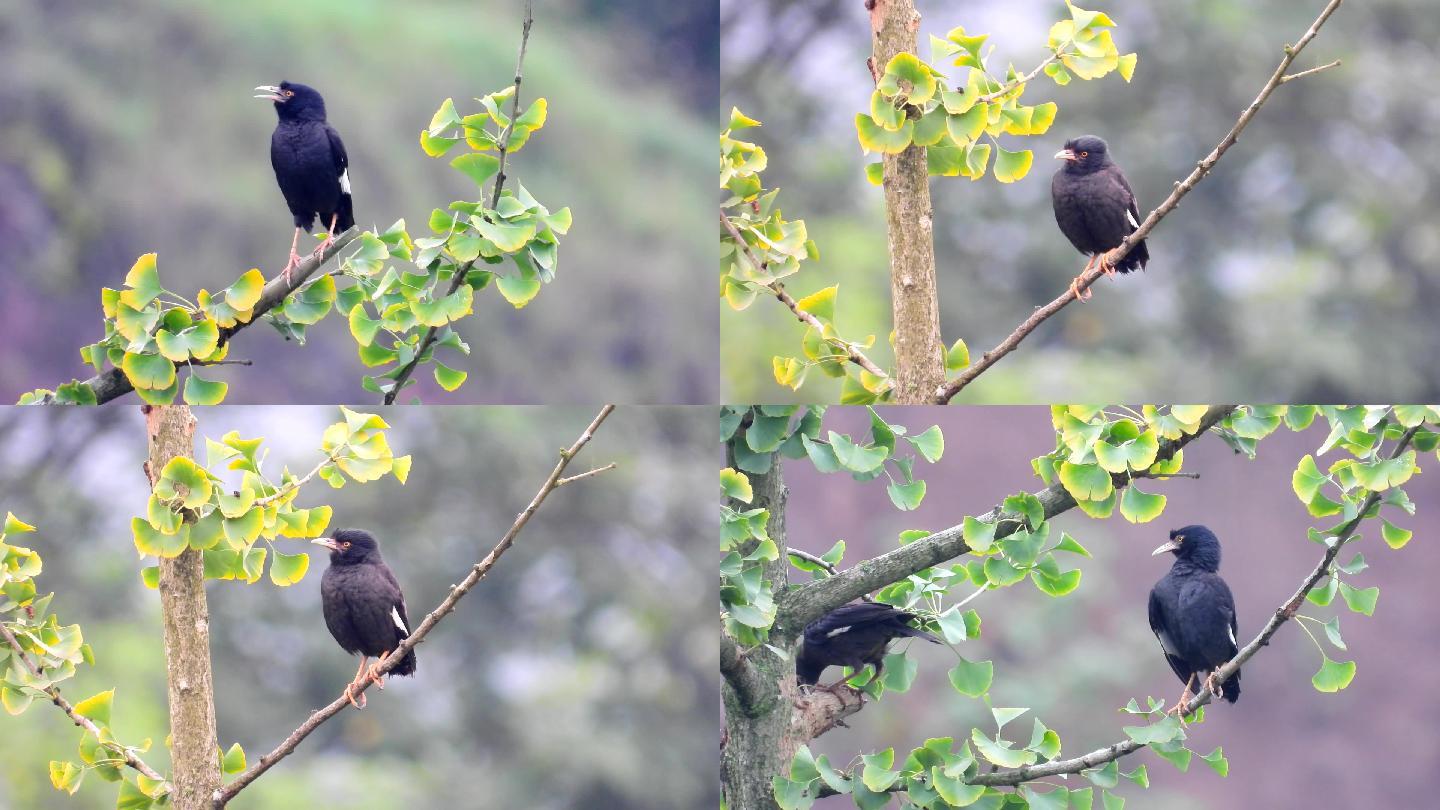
[(395, 614), (345, 185), (1166, 644), (1232, 636), (837, 631)]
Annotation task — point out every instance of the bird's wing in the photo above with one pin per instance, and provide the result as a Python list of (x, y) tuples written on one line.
[(1160, 625), (1131, 207), (1209, 623), (342, 160), (397, 603)]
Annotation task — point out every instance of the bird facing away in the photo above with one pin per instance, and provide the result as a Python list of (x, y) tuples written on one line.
[(1193, 613), (364, 607), (852, 636), (1095, 207), (310, 164)]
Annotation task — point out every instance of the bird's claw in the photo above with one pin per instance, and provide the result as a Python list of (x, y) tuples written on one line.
[(324, 245), (351, 694), (374, 672), (1214, 686), (1080, 295), (1107, 263), (290, 266)]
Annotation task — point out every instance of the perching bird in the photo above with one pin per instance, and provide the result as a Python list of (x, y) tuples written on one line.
[(310, 164), (1095, 207), (364, 608), (1193, 613), (852, 636)]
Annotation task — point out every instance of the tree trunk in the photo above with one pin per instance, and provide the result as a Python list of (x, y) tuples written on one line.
[(755, 728), (194, 745), (914, 297)]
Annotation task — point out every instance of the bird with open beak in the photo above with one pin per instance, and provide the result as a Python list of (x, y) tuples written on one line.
[(364, 608), (310, 164)]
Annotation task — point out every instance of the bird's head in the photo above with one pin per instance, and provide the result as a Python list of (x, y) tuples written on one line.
[(1084, 154), (1196, 545), (350, 546), (294, 101)]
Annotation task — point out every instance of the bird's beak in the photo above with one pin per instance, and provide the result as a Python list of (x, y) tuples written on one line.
[(1065, 154), (272, 93), (326, 542), (1170, 545)]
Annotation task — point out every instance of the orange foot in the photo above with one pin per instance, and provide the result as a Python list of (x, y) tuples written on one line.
[(375, 670), (1214, 686), (1082, 295), (291, 265), (351, 694)]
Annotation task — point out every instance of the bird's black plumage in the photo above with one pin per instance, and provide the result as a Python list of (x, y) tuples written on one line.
[(309, 161), (1094, 205), (852, 636), (364, 607), (1192, 611)]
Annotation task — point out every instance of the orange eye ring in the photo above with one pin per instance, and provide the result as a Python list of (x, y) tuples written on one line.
[(345, 545), (289, 93), (1084, 154)]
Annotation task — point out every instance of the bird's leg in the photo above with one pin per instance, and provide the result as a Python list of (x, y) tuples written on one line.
[(1082, 295), (1107, 262), (329, 235), (1179, 708), (350, 693), (375, 670), (294, 257)]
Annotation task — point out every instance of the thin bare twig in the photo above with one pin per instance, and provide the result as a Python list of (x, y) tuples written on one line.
[(430, 334), (948, 391), (457, 592), (53, 692), (853, 354), (1302, 74), (572, 479)]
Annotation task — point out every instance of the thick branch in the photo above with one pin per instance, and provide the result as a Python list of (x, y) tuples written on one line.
[(428, 340), (909, 225), (947, 391), (1282, 614), (852, 354), (113, 384), (457, 592), (79, 719), (802, 605), (752, 690), (185, 618)]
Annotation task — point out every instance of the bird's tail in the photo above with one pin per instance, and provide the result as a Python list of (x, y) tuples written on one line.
[(1232, 687), (1136, 259), (917, 633), (345, 213), (406, 666)]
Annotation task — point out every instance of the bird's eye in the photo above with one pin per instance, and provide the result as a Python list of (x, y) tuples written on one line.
[(344, 545), (289, 93), (1084, 154)]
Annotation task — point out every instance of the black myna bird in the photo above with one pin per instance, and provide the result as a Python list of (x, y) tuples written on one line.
[(310, 164), (1095, 207), (1193, 613), (852, 636), (364, 607)]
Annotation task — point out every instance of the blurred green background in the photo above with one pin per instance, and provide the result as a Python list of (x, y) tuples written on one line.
[(129, 127), (570, 677), (1305, 268), (1074, 661)]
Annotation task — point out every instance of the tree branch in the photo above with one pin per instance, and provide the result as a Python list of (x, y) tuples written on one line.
[(948, 390), (852, 354), (113, 384), (429, 339), (752, 689), (802, 605), (53, 692), (1282, 614), (457, 592)]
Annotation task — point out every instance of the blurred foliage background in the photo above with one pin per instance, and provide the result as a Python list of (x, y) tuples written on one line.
[(1305, 268), (570, 677), (1076, 660), (130, 128)]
